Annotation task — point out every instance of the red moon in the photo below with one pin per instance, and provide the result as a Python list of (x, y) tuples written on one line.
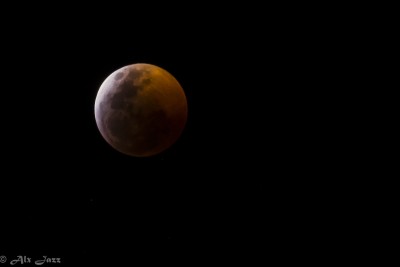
[(140, 110)]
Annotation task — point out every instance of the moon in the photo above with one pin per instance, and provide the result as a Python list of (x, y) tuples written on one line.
[(140, 110)]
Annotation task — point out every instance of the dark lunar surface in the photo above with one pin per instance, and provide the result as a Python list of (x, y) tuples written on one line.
[(141, 110)]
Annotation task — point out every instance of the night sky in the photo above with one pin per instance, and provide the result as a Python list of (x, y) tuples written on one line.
[(239, 182)]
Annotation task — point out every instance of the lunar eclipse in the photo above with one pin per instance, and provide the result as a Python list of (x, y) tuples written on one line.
[(140, 110)]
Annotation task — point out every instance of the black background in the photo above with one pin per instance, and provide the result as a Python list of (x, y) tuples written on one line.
[(249, 177)]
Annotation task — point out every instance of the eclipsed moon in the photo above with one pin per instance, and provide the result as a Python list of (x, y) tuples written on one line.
[(140, 110)]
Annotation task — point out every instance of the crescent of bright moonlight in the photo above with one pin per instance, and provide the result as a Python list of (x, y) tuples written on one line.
[(140, 110)]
